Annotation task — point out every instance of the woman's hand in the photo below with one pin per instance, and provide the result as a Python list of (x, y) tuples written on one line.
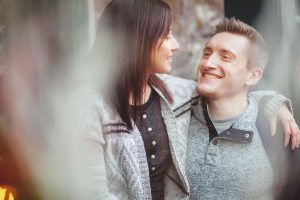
[(289, 124)]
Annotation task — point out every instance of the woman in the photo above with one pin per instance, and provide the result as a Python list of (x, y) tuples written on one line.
[(137, 133), (144, 159)]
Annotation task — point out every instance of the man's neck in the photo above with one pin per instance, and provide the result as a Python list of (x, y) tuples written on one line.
[(220, 109)]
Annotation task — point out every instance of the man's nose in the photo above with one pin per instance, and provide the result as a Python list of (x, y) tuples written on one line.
[(211, 62)]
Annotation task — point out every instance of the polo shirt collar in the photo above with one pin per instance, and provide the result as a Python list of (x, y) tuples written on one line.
[(240, 131)]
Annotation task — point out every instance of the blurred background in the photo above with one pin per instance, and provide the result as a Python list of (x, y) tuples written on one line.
[(44, 48)]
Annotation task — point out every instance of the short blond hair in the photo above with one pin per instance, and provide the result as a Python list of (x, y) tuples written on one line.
[(258, 48)]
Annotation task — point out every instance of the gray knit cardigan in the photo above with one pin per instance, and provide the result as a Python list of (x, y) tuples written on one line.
[(116, 156)]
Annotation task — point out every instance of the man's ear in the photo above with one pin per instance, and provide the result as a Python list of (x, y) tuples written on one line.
[(254, 76)]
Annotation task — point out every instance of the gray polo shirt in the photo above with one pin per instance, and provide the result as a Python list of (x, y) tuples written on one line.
[(231, 164)]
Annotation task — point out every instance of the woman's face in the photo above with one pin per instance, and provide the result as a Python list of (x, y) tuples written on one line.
[(161, 58)]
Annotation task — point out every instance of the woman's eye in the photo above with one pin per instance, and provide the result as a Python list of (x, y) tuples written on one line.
[(206, 54)]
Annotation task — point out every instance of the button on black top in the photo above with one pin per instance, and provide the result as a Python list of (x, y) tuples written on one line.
[(152, 129)]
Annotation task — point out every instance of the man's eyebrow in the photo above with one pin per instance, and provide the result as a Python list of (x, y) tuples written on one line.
[(227, 51)]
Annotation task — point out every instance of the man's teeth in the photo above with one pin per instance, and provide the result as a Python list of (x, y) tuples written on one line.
[(211, 76)]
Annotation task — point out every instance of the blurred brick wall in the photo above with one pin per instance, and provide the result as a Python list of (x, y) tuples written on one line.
[(193, 23)]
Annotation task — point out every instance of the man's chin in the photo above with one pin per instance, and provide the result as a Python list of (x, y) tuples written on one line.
[(204, 91)]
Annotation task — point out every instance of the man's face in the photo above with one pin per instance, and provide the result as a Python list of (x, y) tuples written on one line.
[(222, 71)]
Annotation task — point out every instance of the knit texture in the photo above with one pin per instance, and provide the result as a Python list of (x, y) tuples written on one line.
[(115, 156), (230, 169)]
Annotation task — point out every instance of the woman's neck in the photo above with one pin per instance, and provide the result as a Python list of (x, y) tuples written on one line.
[(145, 96)]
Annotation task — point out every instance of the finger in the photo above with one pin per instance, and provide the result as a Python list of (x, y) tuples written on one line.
[(273, 126), (297, 131), (287, 132), (294, 134), (294, 141), (286, 139)]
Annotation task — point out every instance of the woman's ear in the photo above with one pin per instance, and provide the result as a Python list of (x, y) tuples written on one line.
[(255, 75)]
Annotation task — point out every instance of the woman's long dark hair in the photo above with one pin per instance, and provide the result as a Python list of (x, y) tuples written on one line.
[(132, 29)]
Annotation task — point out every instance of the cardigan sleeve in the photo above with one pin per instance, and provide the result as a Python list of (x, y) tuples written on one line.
[(272, 102), (93, 143)]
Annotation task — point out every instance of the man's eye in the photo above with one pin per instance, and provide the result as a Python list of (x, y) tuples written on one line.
[(227, 57)]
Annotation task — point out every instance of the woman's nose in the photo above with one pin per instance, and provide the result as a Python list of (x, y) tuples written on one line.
[(175, 45)]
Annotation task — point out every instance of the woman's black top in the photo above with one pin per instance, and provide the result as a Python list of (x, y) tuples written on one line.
[(156, 142)]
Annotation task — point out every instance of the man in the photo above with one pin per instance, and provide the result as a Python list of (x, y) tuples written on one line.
[(226, 158)]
